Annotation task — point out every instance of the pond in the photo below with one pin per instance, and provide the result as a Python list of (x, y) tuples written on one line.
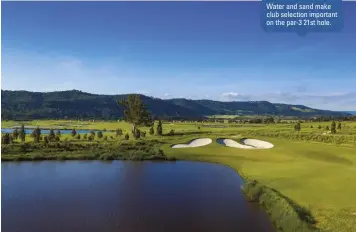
[(126, 196), (46, 131)]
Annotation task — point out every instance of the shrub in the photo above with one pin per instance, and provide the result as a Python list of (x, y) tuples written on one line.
[(143, 134), (137, 134), (127, 136), (15, 134), (5, 139), (51, 135), (171, 132), (100, 134), (46, 141), (118, 132), (152, 131), (90, 137)]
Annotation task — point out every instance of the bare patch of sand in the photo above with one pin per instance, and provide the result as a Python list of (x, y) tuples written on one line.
[(245, 143), (194, 143)]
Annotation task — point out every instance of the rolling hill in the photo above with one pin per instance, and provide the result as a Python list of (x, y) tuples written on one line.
[(25, 105)]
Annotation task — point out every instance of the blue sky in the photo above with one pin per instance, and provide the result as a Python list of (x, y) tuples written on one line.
[(197, 50)]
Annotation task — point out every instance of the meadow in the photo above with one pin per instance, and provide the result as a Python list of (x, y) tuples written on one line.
[(313, 168)]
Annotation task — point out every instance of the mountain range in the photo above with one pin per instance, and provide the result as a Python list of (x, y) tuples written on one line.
[(25, 105)]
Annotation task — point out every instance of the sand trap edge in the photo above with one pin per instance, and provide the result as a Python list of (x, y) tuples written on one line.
[(199, 142), (245, 143)]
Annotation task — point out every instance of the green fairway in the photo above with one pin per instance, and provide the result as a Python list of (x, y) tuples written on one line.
[(319, 176)]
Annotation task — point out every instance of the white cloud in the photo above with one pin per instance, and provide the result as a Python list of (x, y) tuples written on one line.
[(230, 94), (233, 96), (328, 101)]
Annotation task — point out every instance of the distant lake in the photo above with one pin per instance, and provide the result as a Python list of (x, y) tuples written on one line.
[(94, 196), (46, 131)]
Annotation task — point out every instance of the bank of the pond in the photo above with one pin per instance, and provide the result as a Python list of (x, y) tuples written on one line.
[(285, 214), (124, 150)]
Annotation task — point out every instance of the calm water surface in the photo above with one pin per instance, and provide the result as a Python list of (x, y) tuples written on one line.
[(95, 196)]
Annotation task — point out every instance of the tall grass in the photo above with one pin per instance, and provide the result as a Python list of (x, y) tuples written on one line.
[(285, 214)]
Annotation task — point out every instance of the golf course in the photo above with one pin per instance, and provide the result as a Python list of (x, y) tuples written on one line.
[(317, 176)]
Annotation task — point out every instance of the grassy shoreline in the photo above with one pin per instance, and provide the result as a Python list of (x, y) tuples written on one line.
[(286, 215)]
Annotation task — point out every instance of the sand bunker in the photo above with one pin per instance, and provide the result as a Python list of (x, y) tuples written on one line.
[(194, 143), (245, 143)]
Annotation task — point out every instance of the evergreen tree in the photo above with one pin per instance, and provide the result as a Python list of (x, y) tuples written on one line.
[(339, 126), (319, 127), (92, 133), (15, 134), (74, 133), (91, 137), (37, 135), (51, 135), (143, 134), (171, 132), (78, 136), (85, 136), (333, 127), (127, 136), (297, 126), (22, 133), (152, 131), (118, 132), (45, 141), (58, 133), (159, 128), (99, 134), (5, 139), (137, 133)]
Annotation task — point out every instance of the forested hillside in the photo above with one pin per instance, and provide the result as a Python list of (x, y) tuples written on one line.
[(24, 105)]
